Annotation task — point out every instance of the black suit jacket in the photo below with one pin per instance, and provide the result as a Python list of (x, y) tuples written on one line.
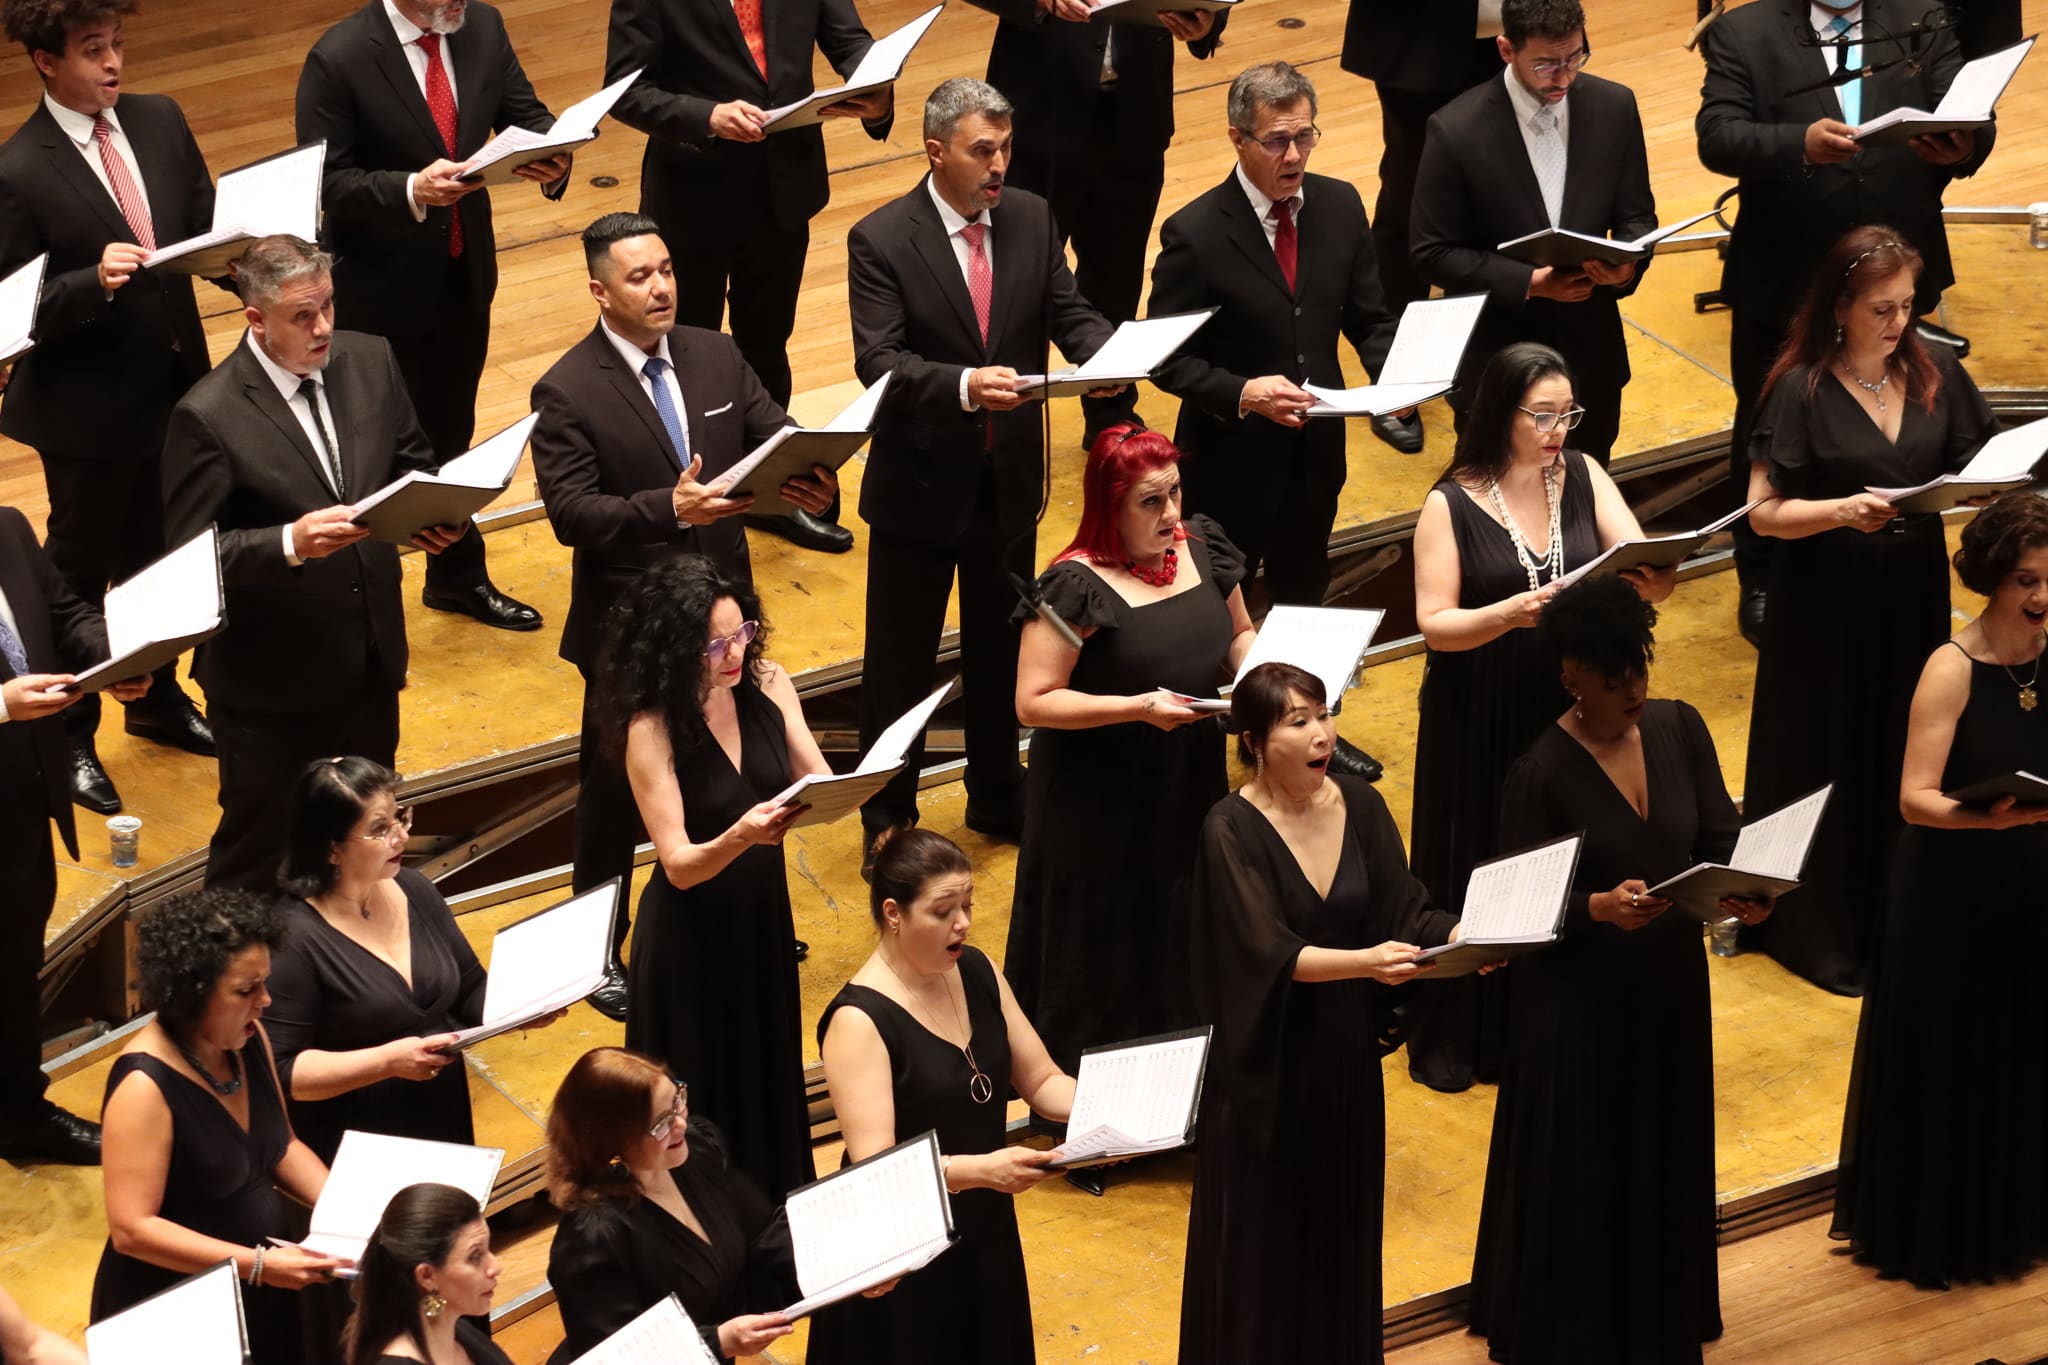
[(60, 633), (357, 90), (1752, 127), (1419, 45), (694, 58), (603, 462), (298, 638), (1214, 254), (912, 315), (144, 346), (1476, 189)]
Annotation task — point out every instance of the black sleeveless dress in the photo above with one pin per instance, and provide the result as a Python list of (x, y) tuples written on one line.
[(219, 1184), (713, 971), (972, 1303), (1479, 709), (1941, 1175), (1098, 926)]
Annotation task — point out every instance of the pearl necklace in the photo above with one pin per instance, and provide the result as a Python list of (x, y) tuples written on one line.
[(1531, 565)]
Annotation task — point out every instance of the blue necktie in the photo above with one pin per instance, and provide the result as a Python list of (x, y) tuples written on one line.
[(654, 369), (11, 650), (1852, 93)]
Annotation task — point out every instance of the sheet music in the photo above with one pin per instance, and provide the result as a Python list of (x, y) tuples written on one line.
[(859, 415), (369, 1168), (577, 123), (1133, 351), (1975, 91), (1656, 235), (1519, 896), (279, 194), (489, 466), (1144, 1092), (20, 292), (880, 65), (868, 1223), (1431, 340), (1693, 539), (547, 962), (178, 595), (1371, 400), (663, 1335), (1776, 845), (2011, 454), (201, 1313), (1326, 641)]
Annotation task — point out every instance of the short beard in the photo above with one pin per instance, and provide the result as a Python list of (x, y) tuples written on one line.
[(439, 22)]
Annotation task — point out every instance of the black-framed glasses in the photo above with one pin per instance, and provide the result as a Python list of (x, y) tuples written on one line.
[(1547, 421), (740, 638), (1547, 67), (399, 824), (666, 1124), (1303, 142)]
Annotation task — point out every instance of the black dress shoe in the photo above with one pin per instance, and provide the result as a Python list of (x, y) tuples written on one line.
[(1749, 616), (1005, 823), (1942, 336), (610, 998), (803, 950), (90, 785), (1090, 1179), (805, 529), (1347, 758), (174, 721), (59, 1136), (486, 604), (1402, 433)]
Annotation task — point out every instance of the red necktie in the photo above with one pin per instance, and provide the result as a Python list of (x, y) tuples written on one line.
[(748, 12), (441, 104), (1283, 238), (127, 197), (980, 283)]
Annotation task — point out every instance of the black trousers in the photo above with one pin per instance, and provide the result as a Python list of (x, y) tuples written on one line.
[(759, 271), (106, 523), (28, 892), (909, 581), (608, 826), (262, 754), (1277, 520), (1404, 123)]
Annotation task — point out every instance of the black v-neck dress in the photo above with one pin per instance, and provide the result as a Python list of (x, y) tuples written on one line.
[(1596, 1231)]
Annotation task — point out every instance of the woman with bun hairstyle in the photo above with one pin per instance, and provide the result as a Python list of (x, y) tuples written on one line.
[(427, 1274)]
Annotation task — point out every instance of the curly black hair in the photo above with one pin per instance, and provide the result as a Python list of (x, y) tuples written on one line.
[(46, 25), (1555, 20), (184, 945), (652, 658), (1998, 536), (1602, 624)]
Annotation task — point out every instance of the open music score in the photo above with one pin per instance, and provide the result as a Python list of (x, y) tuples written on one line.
[(1134, 1098), (2028, 789), (1970, 102), (791, 452), (872, 1222), (879, 66), (546, 962), (1513, 905), (663, 1335), (461, 488), (1133, 351), (369, 1168), (1563, 249), (278, 195), (201, 1313), (1422, 363), (1661, 552), (2003, 463), (21, 293), (1148, 11), (161, 612), (1329, 642), (499, 161), (1768, 857), (834, 796)]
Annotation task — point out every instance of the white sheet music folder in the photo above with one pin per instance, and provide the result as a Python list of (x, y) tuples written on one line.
[(161, 612), (1422, 363), (2003, 463), (880, 65), (792, 451), (459, 490), (369, 1168), (1768, 858), (1514, 904), (278, 195), (1971, 101), (201, 1313), (21, 293), (1563, 249), (869, 1223), (1329, 642), (834, 796), (546, 962), (1661, 552), (499, 161), (663, 1335), (1133, 351), (1136, 1097)]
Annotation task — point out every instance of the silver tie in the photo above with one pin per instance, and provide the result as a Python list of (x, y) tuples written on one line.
[(1547, 157)]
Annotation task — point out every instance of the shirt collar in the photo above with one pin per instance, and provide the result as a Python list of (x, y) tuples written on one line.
[(635, 358), (287, 383), (1263, 206), (407, 31), (1527, 106), (1822, 18), (76, 126), (949, 219)]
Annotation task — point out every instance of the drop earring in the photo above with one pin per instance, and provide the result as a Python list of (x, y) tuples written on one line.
[(433, 1306), (1577, 714)]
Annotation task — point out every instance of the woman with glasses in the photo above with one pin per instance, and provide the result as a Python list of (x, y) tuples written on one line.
[(653, 1203), (712, 733), (1513, 514), (374, 977)]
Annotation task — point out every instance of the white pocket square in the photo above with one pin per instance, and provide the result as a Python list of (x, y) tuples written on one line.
[(713, 412)]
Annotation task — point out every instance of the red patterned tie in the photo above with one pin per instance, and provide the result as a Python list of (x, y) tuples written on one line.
[(980, 283), (1284, 239), (748, 12), (441, 104), (127, 197)]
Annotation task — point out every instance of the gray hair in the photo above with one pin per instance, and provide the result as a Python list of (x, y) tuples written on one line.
[(271, 263), (955, 99), (1268, 85)]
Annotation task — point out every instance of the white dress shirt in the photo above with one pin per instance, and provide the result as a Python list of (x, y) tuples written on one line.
[(636, 359), (416, 58), (1263, 206), (1527, 106), (288, 389), (953, 222), (78, 127)]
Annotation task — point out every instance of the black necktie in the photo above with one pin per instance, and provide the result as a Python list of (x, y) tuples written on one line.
[(309, 389)]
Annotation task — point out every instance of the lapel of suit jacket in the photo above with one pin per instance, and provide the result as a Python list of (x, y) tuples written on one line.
[(391, 63), (693, 386), (473, 119), (1582, 168), (346, 404), (1241, 223), (1810, 61), (154, 160), (18, 583), (635, 399), (264, 397), (75, 173), (1016, 249), (1504, 126), (928, 236)]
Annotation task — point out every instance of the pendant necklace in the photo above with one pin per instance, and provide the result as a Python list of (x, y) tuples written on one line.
[(2029, 698), (1874, 390), (979, 1086), (221, 1088), (1531, 565)]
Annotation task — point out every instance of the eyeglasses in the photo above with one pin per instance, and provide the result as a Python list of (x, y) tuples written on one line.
[(740, 639), (400, 825), (666, 1124), (1303, 142), (1547, 67), (1547, 421)]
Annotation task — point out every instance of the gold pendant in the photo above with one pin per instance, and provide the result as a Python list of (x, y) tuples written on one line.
[(2029, 699)]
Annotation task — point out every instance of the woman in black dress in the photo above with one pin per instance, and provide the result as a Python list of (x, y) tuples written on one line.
[(374, 977), (1941, 1175), (1122, 771), (1515, 512), (1859, 592), (426, 1278), (928, 1036), (198, 1154), (713, 733), (1597, 1231), (653, 1204), (1302, 898)]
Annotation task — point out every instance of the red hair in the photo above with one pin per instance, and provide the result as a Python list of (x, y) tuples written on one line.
[(1856, 264), (1121, 455)]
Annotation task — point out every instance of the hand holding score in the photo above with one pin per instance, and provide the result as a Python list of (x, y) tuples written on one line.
[(1278, 399), (738, 121), (698, 504), (1391, 962), (813, 492), (118, 264), (434, 539), (1525, 609), (2004, 813), (1944, 149), (291, 1267), (1746, 910), (751, 1334), (1628, 906), (1599, 272), (767, 822), (31, 696), (994, 387), (1560, 286), (418, 1059), (1073, 11), (1164, 710), (1865, 511), (547, 172), (874, 105), (319, 534), (1190, 27), (1828, 142), (440, 184)]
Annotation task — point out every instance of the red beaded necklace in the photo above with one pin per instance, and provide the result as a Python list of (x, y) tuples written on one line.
[(1160, 577)]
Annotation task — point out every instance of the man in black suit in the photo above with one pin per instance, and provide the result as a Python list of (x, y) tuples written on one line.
[(1770, 116), (405, 92), (1287, 258), (1094, 105), (733, 200), (956, 288), (1542, 146), (117, 345), (46, 633), (625, 491), (1419, 57), (272, 448)]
